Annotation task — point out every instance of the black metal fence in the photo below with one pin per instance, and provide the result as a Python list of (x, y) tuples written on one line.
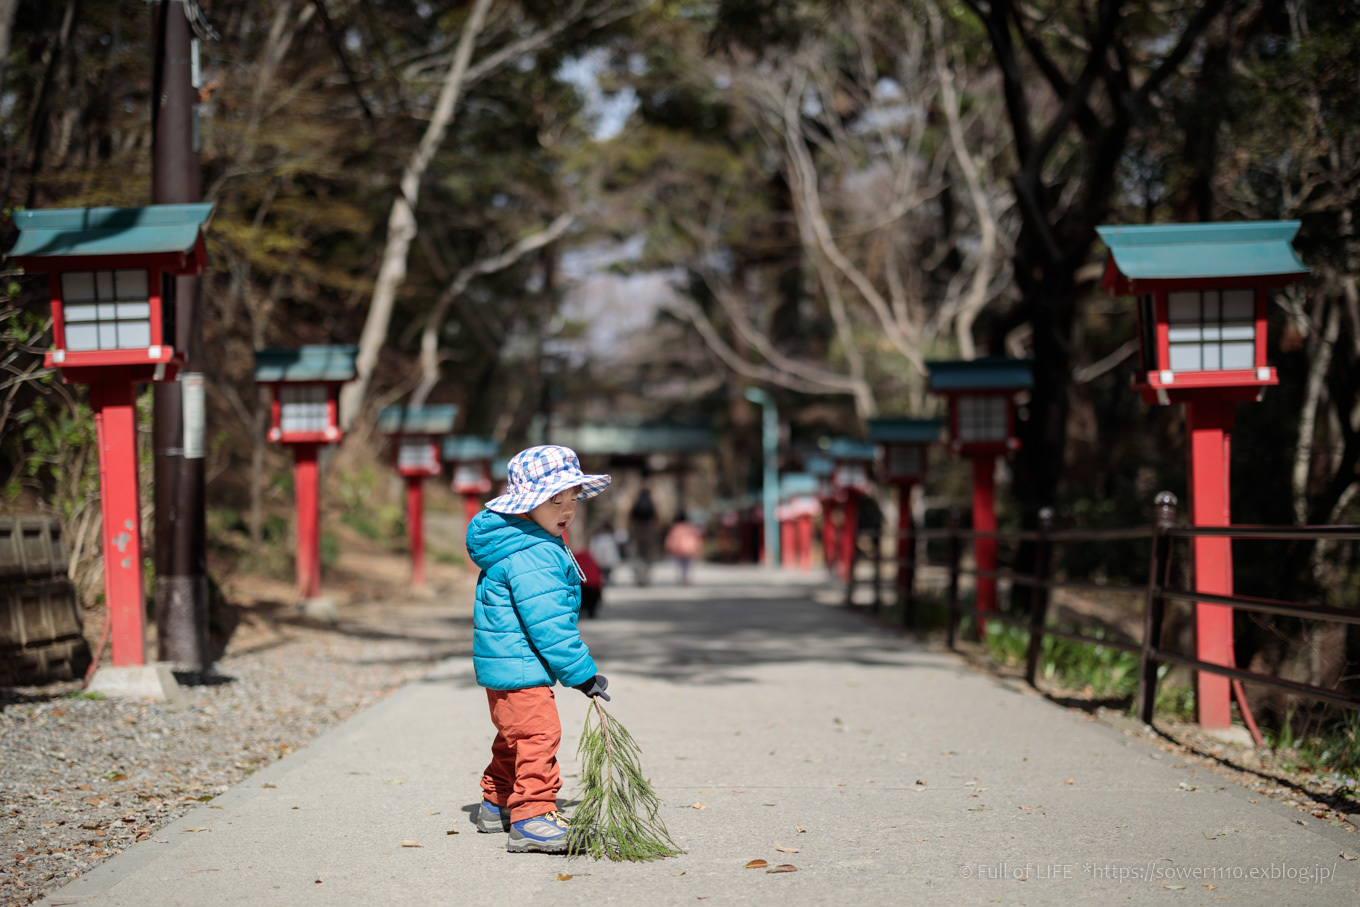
[(1157, 592)]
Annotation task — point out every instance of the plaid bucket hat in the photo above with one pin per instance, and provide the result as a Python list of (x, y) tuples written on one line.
[(535, 475)]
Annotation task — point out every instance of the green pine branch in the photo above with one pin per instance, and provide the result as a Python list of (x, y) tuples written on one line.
[(618, 816)]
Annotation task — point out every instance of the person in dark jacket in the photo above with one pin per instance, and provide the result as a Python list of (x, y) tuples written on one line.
[(525, 640)]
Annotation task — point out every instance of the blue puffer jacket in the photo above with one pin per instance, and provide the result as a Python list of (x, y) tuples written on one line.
[(528, 598)]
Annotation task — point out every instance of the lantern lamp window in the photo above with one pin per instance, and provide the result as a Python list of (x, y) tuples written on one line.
[(304, 408), (982, 418), (106, 310), (417, 453), (1211, 330)]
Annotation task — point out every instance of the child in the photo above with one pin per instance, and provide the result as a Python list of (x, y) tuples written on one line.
[(525, 640)]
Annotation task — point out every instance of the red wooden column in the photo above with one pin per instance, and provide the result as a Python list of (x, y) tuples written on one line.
[(903, 538), (307, 491), (471, 507), (849, 537), (788, 542), (114, 404), (984, 520), (828, 534), (1210, 425), (415, 522), (803, 540)]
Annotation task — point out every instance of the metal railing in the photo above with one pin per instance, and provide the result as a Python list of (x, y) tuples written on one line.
[(1157, 593)]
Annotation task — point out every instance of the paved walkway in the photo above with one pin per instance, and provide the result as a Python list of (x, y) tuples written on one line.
[(767, 718)]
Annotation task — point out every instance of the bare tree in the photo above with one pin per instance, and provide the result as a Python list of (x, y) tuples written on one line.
[(402, 225)]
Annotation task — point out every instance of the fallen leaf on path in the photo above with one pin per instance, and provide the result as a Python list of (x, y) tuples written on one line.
[(1035, 806), (757, 864), (783, 867), (1210, 887), (564, 877), (920, 782), (394, 782), (1349, 857), (195, 829), (678, 872), (802, 830), (782, 849), (1175, 887), (697, 806), (451, 831), (269, 784), (1184, 786), (1071, 780), (410, 842)]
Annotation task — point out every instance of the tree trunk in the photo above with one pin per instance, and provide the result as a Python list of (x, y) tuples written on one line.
[(401, 224)]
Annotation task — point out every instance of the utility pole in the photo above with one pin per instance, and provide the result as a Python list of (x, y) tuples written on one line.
[(181, 564)]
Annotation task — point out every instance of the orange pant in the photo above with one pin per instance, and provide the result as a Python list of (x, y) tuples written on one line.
[(523, 773)]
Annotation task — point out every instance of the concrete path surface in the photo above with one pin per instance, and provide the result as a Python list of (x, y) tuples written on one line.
[(768, 719)]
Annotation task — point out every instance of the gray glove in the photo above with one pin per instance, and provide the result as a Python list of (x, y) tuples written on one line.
[(595, 686)]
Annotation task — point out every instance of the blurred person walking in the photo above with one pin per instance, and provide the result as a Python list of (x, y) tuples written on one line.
[(684, 542), (644, 536)]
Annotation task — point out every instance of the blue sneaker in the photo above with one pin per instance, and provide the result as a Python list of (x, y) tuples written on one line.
[(493, 819), (539, 834)]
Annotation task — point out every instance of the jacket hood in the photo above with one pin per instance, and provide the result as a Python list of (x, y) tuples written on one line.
[(492, 537)]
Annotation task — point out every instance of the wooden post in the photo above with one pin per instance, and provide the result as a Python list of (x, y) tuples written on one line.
[(1038, 597), (952, 622), (1159, 572), (828, 534), (849, 537), (804, 539), (415, 522), (876, 559), (984, 520), (307, 491), (115, 418), (1210, 428), (904, 565)]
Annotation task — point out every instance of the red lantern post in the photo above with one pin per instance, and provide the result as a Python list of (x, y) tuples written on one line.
[(111, 285), (304, 414), (982, 428), (1202, 292), (471, 458), (850, 481), (416, 433), (903, 464)]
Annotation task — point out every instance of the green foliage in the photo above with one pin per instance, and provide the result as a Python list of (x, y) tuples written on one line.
[(618, 816), (1107, 672), (1335, 748), (363, 509), (330, 550), (1175, 700), (94, 696)]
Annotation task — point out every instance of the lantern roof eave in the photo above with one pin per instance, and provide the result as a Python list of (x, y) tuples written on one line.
[(465, 448), (432, 419), (850, 450), (989, 373), (905, 431), (98, 232), (632, 439), (1254, 249), (306, 364)]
